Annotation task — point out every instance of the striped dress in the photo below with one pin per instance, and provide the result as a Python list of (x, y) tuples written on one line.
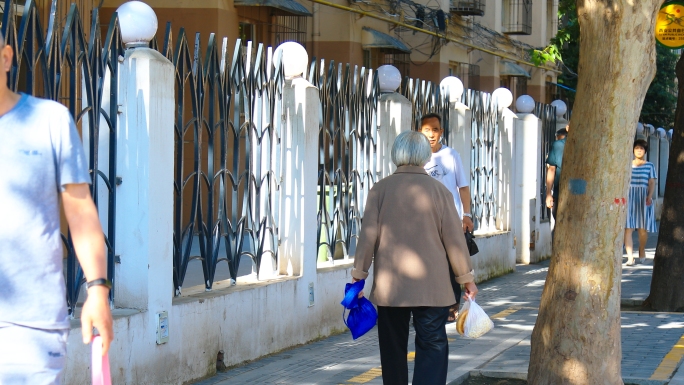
[(640, 216)]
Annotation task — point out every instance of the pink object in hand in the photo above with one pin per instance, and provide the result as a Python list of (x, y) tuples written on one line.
[(100, 364)]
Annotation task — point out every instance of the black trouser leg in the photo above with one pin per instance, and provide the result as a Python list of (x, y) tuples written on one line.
[(432, 347), (393, 334)]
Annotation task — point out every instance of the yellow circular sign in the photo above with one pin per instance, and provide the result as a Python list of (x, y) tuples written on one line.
[(669, 28)]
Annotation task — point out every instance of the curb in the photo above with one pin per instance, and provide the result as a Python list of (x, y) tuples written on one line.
[(631, 301), (523, 376)]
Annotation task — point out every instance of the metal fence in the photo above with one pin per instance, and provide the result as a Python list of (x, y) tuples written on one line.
[(485, 158), (347, 154), (547, 115), (227, 135), (63, 64)]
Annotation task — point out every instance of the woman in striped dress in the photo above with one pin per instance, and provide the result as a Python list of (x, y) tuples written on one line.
[(640, 210)]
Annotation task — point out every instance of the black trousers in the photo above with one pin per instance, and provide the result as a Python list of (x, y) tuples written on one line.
[(432, 347)]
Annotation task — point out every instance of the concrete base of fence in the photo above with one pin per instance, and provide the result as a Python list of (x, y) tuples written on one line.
[(542, 243), (246, 321), (496, 256)]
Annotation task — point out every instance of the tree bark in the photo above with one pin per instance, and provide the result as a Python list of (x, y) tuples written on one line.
[(667, 283), (576, 339)]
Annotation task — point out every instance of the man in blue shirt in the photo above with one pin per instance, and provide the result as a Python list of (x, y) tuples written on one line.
[(554, 162), (43, 165)]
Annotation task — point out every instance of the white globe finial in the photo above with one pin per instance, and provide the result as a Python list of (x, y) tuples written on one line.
[(389, 78), (503, 97), (640, 128), (294, 57), (453, 86), (138, 23), (561, 107), (524, 104), (649, 129), (662, 134)]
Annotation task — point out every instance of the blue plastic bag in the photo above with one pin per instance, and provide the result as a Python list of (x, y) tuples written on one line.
[(362, 315)]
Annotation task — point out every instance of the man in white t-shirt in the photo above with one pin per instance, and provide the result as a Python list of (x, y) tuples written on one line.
[(445, 166)]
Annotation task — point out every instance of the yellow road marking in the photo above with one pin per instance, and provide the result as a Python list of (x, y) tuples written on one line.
[(376, 372), (669, 363), (505, 313), (367, 377)]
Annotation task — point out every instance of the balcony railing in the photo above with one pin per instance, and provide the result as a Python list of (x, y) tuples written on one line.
[(517, 17), (468, 7)]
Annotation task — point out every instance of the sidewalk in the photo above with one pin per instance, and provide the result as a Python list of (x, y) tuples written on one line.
[(653, 343)]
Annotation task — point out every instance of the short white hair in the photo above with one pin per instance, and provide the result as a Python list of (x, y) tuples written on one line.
[(411, 148)]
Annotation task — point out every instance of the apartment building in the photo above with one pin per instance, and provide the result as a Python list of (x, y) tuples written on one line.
[(486, 43)]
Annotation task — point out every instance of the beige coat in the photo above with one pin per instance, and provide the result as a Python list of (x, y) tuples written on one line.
[(410, 227)]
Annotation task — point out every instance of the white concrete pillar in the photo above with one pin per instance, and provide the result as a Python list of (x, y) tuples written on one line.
[(394, 117), (664, 162), (145, 161), (299, 181), (504, 218), (526, 170), (560, 123), (654, 157), (461, 133)]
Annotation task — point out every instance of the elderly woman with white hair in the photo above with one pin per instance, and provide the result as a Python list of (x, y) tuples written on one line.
[(408, 231)]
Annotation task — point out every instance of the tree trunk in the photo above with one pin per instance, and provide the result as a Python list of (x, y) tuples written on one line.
[(576, 339), (667, 283)]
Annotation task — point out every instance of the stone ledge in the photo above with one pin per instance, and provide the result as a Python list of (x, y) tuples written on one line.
[(331, 268), (116, 314), (225, 287)]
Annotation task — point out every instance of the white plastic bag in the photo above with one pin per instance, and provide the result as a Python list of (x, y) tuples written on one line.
[(476, 322)]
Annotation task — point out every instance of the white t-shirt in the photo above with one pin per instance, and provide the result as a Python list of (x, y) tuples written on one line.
[(445, 166)]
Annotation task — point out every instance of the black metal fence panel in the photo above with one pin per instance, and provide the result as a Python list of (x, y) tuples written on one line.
[(547, 114), (347, 154), (227, 137), (63, 64), (485, 159)]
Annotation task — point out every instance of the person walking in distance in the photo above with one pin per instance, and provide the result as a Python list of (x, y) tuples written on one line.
[(554, 162), (42, 162), (445, 165), (640, 208)]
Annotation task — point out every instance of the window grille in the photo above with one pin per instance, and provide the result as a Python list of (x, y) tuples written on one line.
[(517, 17), (263, 25), (375, 57), (468, 73)]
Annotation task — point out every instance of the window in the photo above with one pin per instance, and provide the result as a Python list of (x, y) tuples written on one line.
[(468, 73), (551, 18), (270, 26), (517, 17), (375, 57), (516, 84)]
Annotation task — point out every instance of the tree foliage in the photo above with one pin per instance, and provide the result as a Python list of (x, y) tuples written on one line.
[(661, 98)]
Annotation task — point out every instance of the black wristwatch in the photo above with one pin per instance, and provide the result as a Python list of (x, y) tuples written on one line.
[(99, 282)]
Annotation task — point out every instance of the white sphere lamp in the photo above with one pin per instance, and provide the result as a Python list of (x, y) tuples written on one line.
[(524, 104), (453, 86), (389, 78), (640, 128), (661, 133), (294, 58), (669, 134), (138, 23), (502, 97), (649, 129), (561, 107)]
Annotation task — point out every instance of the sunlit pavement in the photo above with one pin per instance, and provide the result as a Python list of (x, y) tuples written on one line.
[(652, 343)]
